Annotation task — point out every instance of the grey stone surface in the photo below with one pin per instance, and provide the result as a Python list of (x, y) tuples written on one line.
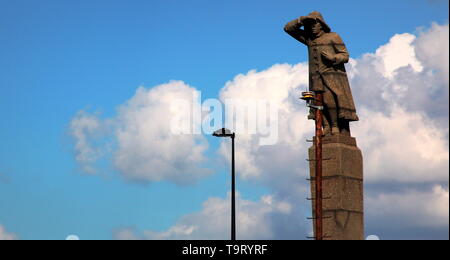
[(343, 203)]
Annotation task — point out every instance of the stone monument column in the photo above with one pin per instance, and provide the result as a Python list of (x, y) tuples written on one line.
[(342, 170)]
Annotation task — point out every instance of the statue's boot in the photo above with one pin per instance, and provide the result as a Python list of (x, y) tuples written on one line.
[(334, 121), (326, 127), (335, 129)]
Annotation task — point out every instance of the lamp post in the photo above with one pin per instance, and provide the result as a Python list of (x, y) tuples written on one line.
[(227, 133)]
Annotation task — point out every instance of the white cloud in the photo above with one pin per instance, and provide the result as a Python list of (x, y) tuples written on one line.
[(279, 164), (411, 208), (147, 149), (396, 54), (403, 147), (254, 220), (83, 128), (422, 90), (403, 130), (432, 51), (4, 235)]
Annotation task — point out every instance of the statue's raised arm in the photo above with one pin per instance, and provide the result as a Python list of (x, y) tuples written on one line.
[(293, 28)]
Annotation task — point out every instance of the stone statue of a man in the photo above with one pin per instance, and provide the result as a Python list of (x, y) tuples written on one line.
[(327, 55)]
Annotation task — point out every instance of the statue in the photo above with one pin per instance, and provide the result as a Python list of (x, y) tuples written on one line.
[(339, 177), (327, 56)]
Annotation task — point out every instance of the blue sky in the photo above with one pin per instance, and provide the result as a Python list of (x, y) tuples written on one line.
[(59, 57)]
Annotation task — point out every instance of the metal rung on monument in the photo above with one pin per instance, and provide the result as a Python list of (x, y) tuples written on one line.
[(326, 198), (313, 160), (315, 237), (317, 218), (311, 180), (324, 178)]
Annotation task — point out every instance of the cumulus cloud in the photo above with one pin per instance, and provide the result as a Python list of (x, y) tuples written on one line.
[(396, 54), (282, 164), (431, 50), (415, 78), (402, 147), (423, 208), (140, 138), (403, 130), (147, 148), (254, 220), (85, 128), (5, 235)]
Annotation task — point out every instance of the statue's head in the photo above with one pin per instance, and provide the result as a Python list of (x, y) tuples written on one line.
[(315, 23), (313, 26)]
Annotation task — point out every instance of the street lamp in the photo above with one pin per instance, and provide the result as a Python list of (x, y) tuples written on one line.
[(227, 133)]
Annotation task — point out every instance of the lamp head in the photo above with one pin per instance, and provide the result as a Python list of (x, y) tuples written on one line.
[(223, 133), (307, 96)]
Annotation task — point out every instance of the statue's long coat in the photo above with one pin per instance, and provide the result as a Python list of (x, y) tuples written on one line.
[(324, 73)]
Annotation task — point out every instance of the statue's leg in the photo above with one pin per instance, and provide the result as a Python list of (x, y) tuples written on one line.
[(334, 121), (326, 123), (330, 111), (345, 127)]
